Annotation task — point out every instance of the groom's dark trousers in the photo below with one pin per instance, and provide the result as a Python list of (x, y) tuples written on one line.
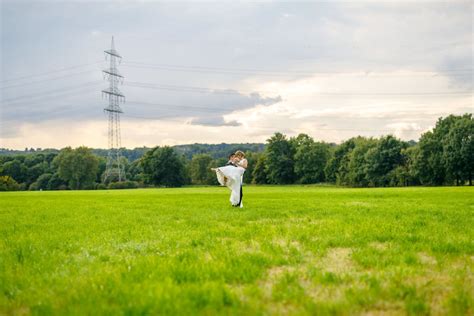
[(241, 194)]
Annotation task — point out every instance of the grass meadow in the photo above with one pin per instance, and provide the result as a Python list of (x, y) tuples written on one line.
[(298, 250)]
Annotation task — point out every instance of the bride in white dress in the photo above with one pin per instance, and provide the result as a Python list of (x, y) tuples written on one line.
[(232, 175)]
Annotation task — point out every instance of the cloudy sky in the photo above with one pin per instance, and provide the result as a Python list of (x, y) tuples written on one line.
[(229, 71)]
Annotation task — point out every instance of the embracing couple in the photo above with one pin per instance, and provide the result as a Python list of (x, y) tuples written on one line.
[(231, 175)]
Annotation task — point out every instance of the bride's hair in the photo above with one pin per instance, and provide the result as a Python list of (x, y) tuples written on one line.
[(239, 153)]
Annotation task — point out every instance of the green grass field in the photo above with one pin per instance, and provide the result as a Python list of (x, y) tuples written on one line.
[(291, 250)]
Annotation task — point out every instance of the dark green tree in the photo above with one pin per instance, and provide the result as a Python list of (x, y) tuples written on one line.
[(162, 166), (310, 159), (406, 174), (200, 169), (135, 171), (42, 182), (458, 150), (431, 160), (259, 173), (7, 183), (101, 168), (56, 183), (35, 171), (77, 166), (429, 163), (280, 160), (252, 161), (358, 165), (336, 167), (383, 159), (16, 169)]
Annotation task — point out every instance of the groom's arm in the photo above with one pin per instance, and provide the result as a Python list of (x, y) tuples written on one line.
[(243, 163)]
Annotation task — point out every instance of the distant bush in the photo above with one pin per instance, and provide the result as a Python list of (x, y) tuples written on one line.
[(33, 186), (123, 185), (7, 183), (101, 186), (56, 183), (62, 187), (43, 181), (89, 186)]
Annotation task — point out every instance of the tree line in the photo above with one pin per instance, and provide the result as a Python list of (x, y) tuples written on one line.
[(188, 151), (442, 156)]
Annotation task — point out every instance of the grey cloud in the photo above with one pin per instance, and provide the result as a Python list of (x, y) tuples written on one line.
[(203, 109), (223, 107)]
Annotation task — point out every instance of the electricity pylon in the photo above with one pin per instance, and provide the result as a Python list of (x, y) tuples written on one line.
[(114, 168)]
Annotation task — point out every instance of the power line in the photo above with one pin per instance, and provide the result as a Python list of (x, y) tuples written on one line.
[(237, 92), (284, 72), (395, 94), (50, 72), (46, 93), (47, 99), (55, 112), (183, 88), (154, 118), (46, 80), (204, 71), (263, 72), (185, 107)]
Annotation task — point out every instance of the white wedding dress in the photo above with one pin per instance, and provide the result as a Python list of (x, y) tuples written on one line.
[(234, 177)]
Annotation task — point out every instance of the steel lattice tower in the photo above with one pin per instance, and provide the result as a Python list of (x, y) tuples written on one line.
[(114, 168)]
